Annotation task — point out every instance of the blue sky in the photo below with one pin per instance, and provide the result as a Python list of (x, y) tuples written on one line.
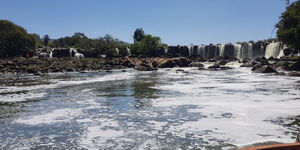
[(175, 21)]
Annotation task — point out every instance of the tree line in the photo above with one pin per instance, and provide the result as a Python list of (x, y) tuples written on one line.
[(15, 42)]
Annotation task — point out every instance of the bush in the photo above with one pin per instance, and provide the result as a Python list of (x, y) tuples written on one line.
[(14, 40), (148, 46)]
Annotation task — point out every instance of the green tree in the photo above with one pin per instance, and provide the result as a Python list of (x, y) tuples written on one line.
[(289, 26), (149, 46), (14, 40), (46, 40), (138, 35)]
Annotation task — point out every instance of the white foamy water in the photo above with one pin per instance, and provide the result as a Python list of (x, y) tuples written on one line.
[(163, 109)]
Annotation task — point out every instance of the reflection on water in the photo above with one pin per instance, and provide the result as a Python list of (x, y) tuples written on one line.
[(147, 110)]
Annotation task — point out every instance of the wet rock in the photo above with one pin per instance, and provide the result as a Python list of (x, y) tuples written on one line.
[(222, 62), (293, 74), (249, 64), (182, 61), (196, 64), (181, 70), (280, 73), (144, 67), (225, 68), (263, 69), (168, 63), (214, 66)]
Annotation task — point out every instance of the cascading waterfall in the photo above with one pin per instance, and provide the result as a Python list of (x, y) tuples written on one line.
[(251, 50), (190, 50), (221, 48), (128, 51), (237, 50), (201, 50), (273, 50), (245, 51)]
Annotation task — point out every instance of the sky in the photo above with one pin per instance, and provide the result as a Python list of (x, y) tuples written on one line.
[(175, 21)]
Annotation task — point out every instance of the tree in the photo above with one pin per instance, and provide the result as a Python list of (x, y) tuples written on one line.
[(138, 35), (14, 40), (46, 40), (289, 26), (149, 46)]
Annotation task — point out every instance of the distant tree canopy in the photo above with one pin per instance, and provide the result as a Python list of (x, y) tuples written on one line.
[(101, 46), (46, 40), (138, 35), (14, 40), (148, 46), (289, 26)]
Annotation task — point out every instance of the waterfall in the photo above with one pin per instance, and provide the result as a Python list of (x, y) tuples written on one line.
[(118, 51), (201, 50), (237, 50), (246, 51), (273, 50), (190, 48), (221, 48), (128, 51)]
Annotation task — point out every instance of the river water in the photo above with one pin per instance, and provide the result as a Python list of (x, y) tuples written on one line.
[(127, 109)]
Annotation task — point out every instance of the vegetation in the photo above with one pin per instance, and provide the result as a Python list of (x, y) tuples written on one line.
[(14, 40), (46, 40), (138, 35), (148, 46), (289, 26)]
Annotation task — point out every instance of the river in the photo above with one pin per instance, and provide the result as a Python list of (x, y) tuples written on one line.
[(127, 109)]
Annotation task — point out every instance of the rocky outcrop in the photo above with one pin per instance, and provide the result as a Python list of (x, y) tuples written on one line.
[(263, 69), (196, 64)]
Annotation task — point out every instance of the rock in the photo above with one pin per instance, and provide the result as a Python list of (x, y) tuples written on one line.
[(280, 73), (249, 64), (293, 74), (182, 62), (222, 62), (263, 69), (225, 68), (144, 67), (214, 66), (168, 63), (196, 64), (181, 70)]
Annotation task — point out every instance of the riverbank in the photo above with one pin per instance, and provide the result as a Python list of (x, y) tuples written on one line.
[(283, 66)]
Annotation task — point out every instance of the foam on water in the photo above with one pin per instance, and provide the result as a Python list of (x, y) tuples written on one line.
[(59, 115), (164, 109)]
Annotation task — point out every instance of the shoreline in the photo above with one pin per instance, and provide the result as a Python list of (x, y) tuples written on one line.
[(284, 66)]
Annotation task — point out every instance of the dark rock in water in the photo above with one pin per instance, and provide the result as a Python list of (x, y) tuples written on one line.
[(154, 64), (249, 64), (280, 73), (214, 66), (293, 74), (107, 67), (287, 51), (168, 63), (196, 64), (144, 67), (296, 66), (263, 69), (245, 60), (222, 62), (181, 70), (225, 68), (201, 59), (182, 62), (201, 68)]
